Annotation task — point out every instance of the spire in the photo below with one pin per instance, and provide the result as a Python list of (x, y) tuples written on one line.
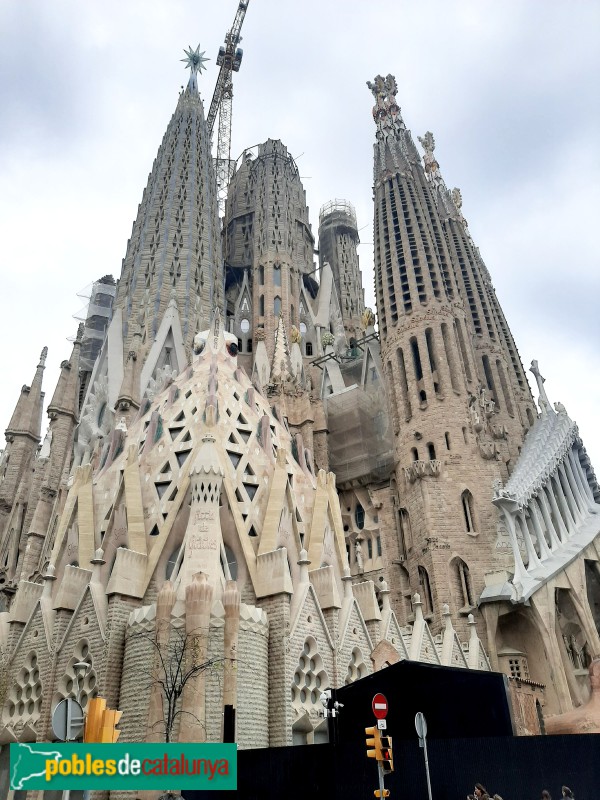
[(281, 368), (65, 399), (129, 392), (394, 148), (27, 416), (175, 245)]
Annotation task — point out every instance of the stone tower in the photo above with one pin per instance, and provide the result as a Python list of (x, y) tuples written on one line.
[(268, 243), (458, 417), (338, 241), (175, 247)]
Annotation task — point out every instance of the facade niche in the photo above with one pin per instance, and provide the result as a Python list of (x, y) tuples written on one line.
[(425, 591), (468, 507)]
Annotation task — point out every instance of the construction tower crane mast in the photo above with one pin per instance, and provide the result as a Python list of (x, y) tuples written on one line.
[(229, 60)]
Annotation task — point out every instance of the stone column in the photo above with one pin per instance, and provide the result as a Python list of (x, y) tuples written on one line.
[(532, 557), (198, 602), (533, 514), (576, 463), (542, 502), (509, 509), (231, 603), (156, 714), (562, 528), (578, 490), (571, 500)]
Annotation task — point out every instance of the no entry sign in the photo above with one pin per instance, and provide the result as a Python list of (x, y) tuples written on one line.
[(380, 706)]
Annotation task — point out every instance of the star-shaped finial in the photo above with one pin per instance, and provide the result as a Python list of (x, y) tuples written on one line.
[(195, 59)]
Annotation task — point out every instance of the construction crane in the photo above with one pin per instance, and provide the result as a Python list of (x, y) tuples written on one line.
[(229, 59)]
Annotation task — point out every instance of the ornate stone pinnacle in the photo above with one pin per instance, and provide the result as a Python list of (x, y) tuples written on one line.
[(43, 356), (543, 397)]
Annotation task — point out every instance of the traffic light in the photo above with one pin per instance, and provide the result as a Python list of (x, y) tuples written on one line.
[(387, 756), (110, 720), (373, 741), (101, 722), (93, 719), (382, 792)]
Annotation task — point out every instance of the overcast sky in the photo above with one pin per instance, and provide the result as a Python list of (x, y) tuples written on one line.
[(509, 89)]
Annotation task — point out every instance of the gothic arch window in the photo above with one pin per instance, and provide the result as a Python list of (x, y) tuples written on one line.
[(425, 590), (261, 305), (462, 585), (359, 516), (468, 508), (261, 275), (404, 590), (431, 451), (414, 453), (276, 275), (405, 531), (277, 305), (309, 349)]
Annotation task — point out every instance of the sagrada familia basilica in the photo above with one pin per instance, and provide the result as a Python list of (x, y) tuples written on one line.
[(240, 452)]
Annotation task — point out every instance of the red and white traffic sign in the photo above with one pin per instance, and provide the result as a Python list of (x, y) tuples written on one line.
[(380, 706)]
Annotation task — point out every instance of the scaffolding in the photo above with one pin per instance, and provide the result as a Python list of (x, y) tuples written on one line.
[(96, 316), (360, 437)]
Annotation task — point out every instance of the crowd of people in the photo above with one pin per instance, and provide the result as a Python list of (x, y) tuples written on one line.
[(481, 793)]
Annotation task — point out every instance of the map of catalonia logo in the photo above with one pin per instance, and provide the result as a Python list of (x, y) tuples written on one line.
[(123, 766)]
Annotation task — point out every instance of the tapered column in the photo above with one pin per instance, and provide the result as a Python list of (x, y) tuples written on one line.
[(578, 490), (542, 501), (563, 531), (231, 603), (564, 506), (165, 601), (532, 557), (572, 502), (576, 463), (544, 549), (198, 602), (509, 508)]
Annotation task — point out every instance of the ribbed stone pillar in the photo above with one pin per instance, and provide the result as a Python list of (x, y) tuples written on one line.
[(198, 602), (231, 603), (156, 714)]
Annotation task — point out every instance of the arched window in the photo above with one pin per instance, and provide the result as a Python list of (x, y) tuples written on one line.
[(431, 451), (405, 531), (261, 305), (276, 275), (468, 510), (261, 275), (277, 306), (415, 454), (425, 591), (447, 438), (462, 585), (359, 516), (309, 349)]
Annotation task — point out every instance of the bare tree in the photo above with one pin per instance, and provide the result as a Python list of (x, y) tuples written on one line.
[(176, 663)]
